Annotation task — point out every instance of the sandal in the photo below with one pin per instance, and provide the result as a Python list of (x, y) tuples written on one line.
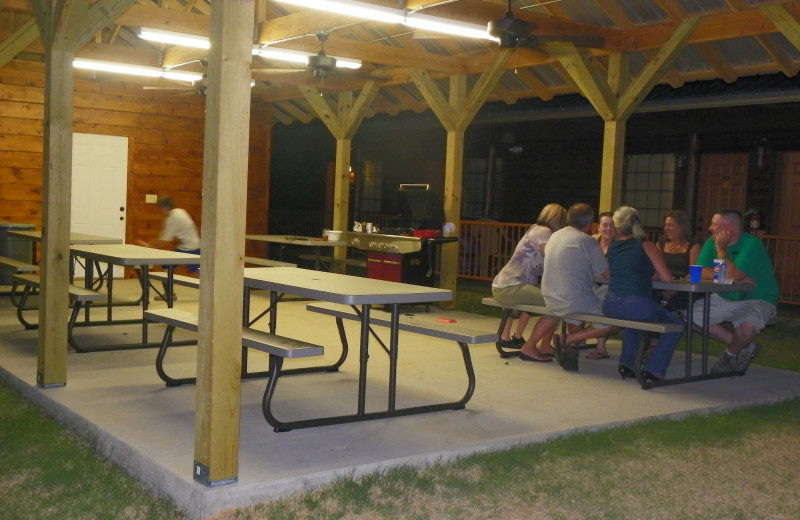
[(538, 359), (596, 355)]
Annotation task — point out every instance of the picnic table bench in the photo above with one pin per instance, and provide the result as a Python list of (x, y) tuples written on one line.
[(16, 267), (449, 325), (77, 295), (278, 347), (646, 326)]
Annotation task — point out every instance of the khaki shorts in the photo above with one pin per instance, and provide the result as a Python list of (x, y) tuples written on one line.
[(522, 293), (754, 312)]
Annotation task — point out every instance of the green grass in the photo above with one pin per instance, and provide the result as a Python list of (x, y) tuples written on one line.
[(738, 465), (648, 470), (46, 471)]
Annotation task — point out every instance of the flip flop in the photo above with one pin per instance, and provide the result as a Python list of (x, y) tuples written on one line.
[(537, 359), (596, 355)]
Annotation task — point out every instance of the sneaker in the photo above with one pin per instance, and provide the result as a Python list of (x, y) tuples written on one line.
[(518, 341), (746, 356), (724, 364), (509, 343)]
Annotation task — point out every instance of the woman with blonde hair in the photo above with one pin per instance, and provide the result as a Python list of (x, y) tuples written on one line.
[(518, 281), (633, 262)]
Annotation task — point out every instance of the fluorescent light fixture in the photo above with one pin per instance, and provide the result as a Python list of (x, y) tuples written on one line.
[(375, 13), (182, 75), (389, 15), (442, 25), (301, 57), (175, 38), (135, 70)]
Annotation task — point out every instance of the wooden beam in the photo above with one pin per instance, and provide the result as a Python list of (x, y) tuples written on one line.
[(18, 41), (225, 159), (784, 21), (655, 68), (82, 20), (779, 56), (717, 61), (481, 90), (166, 19), (534, 84), (325, 109), (352, 119), (588, 76), (753, 22), (434, 97), (300, 24)]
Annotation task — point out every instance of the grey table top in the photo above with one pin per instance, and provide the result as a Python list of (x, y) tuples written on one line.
[(131, 254), (703, 286), (340, 288), (74, 238), (684, 285), (295, 240)]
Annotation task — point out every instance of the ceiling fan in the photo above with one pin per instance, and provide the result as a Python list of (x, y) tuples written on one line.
[(514, 32), (321, 65)]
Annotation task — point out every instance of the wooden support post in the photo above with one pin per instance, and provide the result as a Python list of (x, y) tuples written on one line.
[(63, 27), (613, 157), (56, 203), (218, 395)]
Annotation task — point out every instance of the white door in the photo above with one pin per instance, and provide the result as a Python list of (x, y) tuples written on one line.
[(99, 186)]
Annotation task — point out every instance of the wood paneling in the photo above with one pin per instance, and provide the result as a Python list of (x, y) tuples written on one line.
[(166, 148)]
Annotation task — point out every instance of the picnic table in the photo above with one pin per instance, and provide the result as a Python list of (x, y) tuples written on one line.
[(127, 255), (315, 244), (362, 294)]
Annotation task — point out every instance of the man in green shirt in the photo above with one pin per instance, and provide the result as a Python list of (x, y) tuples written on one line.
[(748, 261)]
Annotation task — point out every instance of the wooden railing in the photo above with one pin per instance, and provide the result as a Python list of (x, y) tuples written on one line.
[(486, 246), (785, 254)]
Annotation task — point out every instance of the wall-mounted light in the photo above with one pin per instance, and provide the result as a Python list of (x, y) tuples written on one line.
[(135, 70), (174, 38)]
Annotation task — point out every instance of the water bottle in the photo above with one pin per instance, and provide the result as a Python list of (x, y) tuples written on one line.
[(720, 271)]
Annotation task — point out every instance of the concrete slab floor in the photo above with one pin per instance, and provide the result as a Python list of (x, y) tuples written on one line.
[(117, 399)]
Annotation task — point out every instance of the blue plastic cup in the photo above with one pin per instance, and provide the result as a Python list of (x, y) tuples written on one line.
[(695, 273)]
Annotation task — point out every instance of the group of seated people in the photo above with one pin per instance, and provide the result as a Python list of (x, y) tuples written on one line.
[(556, 262)]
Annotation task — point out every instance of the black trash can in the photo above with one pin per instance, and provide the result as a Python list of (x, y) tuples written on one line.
[(14, 247)]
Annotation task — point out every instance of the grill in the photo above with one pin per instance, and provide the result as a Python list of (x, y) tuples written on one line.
[(406, 251)]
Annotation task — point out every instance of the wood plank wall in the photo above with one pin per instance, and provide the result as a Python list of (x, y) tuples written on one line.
[(165, 154)]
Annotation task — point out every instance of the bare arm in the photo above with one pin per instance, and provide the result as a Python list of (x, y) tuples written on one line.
[(694, 254), (662, 272)]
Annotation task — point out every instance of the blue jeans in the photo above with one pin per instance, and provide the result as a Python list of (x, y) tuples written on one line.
[(643, 309)]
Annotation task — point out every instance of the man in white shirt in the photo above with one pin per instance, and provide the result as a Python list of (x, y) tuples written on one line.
[(178, 232), (571, 261)]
